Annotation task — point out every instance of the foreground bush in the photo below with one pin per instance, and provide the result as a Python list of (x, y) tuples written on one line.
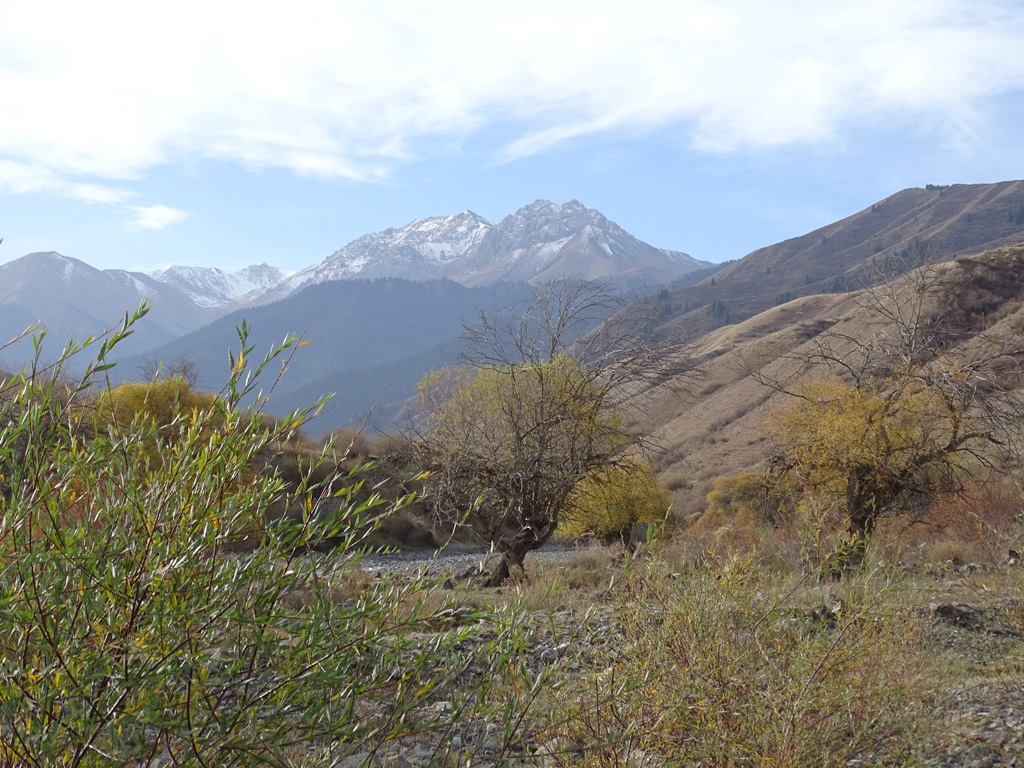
[(133, 631)]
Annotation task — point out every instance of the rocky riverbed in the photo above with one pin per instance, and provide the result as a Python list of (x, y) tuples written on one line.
[(449, 562)]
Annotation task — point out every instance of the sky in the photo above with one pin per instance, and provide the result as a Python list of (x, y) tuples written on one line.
[(137, 135)]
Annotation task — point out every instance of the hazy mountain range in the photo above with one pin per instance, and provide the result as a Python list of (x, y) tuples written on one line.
[(374, 331), (73, 299), (540, 241), (374, 338)]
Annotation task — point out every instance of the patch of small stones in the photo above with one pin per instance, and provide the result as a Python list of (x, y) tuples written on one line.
[(985, 726), (985, 722), (997, 619), (465, 741), (448, 563)]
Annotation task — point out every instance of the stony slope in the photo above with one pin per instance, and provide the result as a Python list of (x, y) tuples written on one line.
[(213, 287)]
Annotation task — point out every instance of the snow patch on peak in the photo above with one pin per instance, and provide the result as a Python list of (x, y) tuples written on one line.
[(419, 250), (213, 287), (129, 280), (680, 258), (184, 270), (47, 256), (63, 267), (262, 275), (537, 242)]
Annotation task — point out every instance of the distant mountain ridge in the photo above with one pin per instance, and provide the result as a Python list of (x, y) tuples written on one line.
[(75, 300), (372, 342), (213, 287), (935, 223), (380, 335), (539, 242)]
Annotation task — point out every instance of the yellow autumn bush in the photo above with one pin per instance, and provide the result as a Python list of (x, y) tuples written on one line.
[(609, 501)]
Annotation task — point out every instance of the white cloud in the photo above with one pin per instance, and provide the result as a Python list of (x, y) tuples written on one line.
[(155, 216), (23, 178), (350, 89)]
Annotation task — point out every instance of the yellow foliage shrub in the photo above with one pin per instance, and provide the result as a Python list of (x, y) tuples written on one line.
[(163, 401), (610, 501), (166, 417), (736, 500)]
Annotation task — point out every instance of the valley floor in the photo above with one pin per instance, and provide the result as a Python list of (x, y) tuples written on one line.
[(671, 661)]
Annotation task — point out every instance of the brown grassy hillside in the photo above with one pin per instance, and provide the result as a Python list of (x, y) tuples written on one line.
[(938, 222), (720, 427)]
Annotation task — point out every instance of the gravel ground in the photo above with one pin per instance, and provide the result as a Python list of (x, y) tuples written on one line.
[(984, 719), (986, 727), (452, 563)]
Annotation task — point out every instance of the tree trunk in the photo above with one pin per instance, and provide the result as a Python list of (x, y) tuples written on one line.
[(862, 506), (862, 525), (511, 559), (623, 537), (514, 552)]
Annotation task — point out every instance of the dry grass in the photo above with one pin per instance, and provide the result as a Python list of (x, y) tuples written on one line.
[(723, 649), (980, 526), (687, 654), (721, 428), (722, 661), (729, 665), (588, 570)]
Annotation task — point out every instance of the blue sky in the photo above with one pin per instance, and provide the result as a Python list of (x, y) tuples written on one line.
[(138, 135)]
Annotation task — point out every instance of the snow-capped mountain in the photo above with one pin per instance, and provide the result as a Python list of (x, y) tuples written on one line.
[(543, 241), (540, 241), (75, 300), (422, 250), (212, 287)]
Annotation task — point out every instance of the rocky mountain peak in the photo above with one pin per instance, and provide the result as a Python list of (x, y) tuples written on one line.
[(262, 275), (442, 237), (47, 256), (539, 241), (544, 221), (51, 265), (213, 287)]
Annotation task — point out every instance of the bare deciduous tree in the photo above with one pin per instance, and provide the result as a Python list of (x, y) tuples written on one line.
[(908, 405), (541, 399), (181, 368)]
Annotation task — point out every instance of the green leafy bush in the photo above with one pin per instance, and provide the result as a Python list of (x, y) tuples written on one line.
[(132, 633)]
